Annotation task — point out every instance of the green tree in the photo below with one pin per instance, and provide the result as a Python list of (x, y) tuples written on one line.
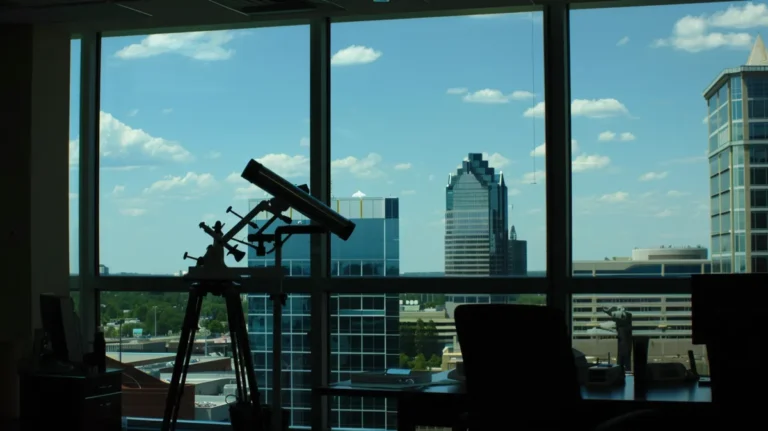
[(435, 362), (426, 338), (419, 363), (408, 339), (404, 361), (216, 326), (532, 299)]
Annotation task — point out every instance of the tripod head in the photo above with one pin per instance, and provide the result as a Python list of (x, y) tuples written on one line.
[(220, 247)]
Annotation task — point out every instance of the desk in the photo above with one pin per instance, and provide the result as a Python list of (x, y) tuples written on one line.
[(81, 402), (442, 403)]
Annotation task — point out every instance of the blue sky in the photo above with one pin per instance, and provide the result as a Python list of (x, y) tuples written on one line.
[(410, 98)]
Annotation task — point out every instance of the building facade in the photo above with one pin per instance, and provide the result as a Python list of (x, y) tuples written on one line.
[(737, 122), (364, 328), (656, 316), (475, 220), (517, 255)]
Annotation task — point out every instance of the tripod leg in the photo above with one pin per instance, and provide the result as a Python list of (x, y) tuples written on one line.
[(190, 349), (174, 389), (235, 310)]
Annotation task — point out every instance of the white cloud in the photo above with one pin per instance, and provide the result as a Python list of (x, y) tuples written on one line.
[(244, 189), (167, 111), (431, 177), (189, 184), (133, 112), (402, 166), (365, 168), (606, 136), (702, 33), (285, 165), (676, 194), (304, 142), (123, 146), (214, 155), (590, 108), (513, 192), (521, 95), (664, 213), (541, 150), (358, 194), (614, 197), (408, 192), (585, 162), (651, 176), (355, 54), (623, 41), (456, 90), (72, 196), (493, 96), (198, 45), (117, 191), (626, 136), (132, 212), (611, 136)]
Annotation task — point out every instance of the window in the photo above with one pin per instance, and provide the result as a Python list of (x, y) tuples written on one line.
[(143, 329), (643, 200), (666, 319), (457, 150), (182, 114), (74, 179)]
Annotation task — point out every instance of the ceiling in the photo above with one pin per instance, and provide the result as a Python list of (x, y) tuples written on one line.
[(142, 16)]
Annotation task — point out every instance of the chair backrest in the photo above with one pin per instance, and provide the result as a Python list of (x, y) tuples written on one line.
[(518, 361)]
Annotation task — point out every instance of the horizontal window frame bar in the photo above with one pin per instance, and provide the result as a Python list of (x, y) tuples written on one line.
[(138, 28), (616, 285), (416, 285)]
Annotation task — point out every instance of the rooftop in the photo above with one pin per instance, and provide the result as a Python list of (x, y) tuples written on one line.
[(756, 62)]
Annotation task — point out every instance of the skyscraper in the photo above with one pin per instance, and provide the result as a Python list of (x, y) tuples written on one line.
[(517, 258), (364, 328), (475, 220), (738, 165)]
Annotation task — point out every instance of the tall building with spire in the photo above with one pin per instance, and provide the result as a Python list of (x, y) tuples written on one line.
[(737, 124), (476, 220)]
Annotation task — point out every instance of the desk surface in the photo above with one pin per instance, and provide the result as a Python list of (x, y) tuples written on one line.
[(441, 386)]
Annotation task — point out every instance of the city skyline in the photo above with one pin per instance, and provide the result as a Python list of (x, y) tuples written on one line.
[(171, 141)]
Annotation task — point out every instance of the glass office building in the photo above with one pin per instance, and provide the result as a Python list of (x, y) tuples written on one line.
[(738, 165), (476, 220), (364, 328)]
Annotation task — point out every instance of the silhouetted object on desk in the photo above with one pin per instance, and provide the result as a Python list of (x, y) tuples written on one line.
[(623, 320)]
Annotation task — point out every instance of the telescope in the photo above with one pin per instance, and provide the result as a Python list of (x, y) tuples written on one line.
[(298, 199)]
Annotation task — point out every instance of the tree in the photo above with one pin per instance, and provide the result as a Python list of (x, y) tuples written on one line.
[(435, 362), (408, 339), (419, 363), (216, 326), (404, 361), (426, 338), (531, 299)]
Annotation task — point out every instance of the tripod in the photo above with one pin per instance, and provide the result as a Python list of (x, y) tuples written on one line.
[(246, 412)]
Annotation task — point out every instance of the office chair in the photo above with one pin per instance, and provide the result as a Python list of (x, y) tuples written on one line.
[(519, 367), (535, 386)]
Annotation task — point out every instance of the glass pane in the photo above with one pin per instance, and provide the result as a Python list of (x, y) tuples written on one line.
[(442, 170), (666, 319), (182, 114), (380, 332), (650, 205), (74, 130), (142, 330)]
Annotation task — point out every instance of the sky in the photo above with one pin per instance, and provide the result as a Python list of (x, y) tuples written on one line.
[(183, 113)]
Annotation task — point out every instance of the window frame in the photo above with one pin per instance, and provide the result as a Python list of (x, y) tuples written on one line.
[(559, 284)]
